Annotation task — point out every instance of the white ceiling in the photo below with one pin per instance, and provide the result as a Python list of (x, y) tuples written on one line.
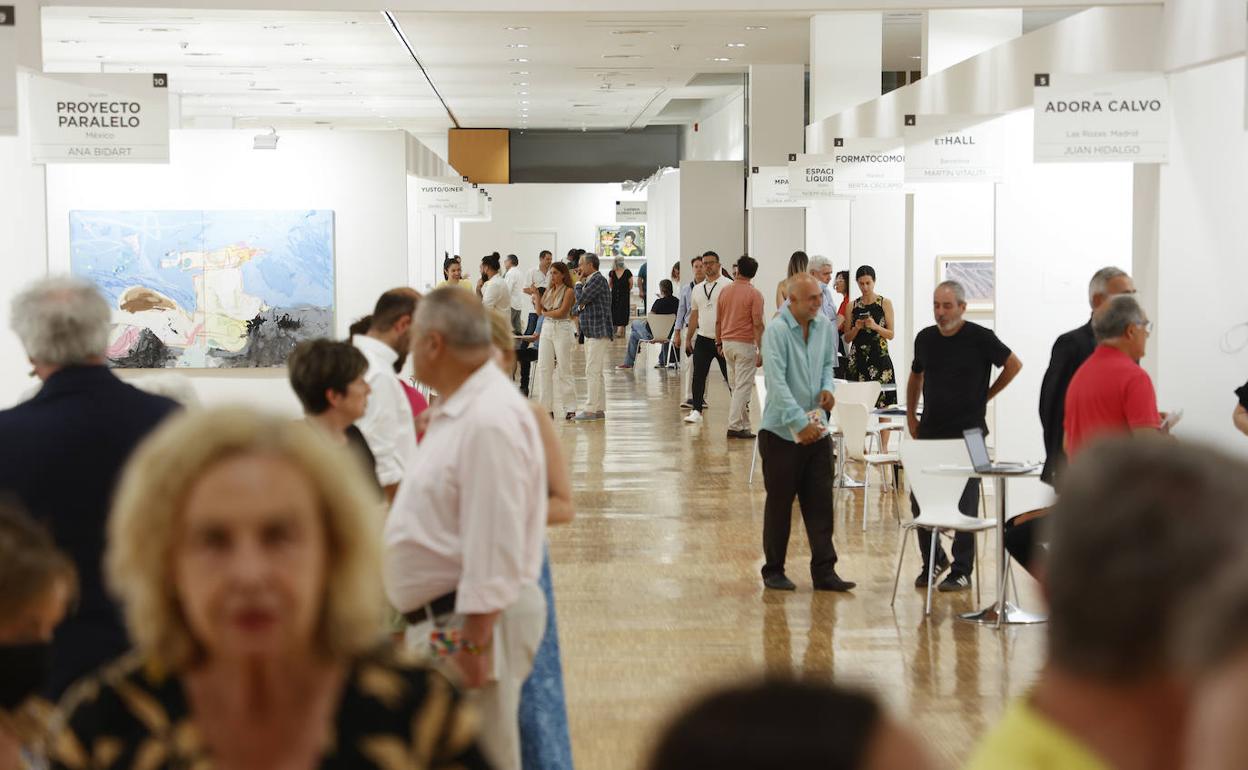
[(349, 69)]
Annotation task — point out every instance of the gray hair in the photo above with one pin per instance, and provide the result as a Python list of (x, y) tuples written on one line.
[(959, 293), (1100, 281), (818, 262), (1140, 529), (62, 321), (1113, 318), (457, 315)]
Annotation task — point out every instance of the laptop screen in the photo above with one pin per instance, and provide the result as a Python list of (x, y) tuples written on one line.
[(977, 448)]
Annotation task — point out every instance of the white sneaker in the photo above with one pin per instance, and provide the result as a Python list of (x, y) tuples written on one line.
[(693, 418)]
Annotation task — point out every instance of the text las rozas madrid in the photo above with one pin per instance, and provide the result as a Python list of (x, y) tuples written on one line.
[(1112, 105), (98, 114)]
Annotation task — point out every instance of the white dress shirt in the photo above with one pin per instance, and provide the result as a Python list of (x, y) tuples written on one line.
[(387, 424), (706, 301), (470, 516), (538, 278), (495, 296), (515, 286)]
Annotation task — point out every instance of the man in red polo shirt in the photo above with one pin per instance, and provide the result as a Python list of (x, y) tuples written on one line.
[(1111, 393)]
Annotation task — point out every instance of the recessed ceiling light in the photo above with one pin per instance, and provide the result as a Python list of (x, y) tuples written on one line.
[(521, 72), (632, 32), (736, 45), (517, 45), (516, 29), (520, 61), (755, 28), (312, 58), (916, 57), (521, 84), (524, 93), (69, 42), (620, 56), (524, 101), (719, 58), (295, 45)]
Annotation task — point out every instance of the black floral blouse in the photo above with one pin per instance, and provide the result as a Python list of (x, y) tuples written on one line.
[(391, 714)]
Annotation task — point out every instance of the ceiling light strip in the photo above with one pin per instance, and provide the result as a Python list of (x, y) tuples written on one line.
[(398, 32)]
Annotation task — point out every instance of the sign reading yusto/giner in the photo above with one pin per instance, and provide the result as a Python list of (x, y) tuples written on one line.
[(8, 71), (1104, 117), (447, 196), (99, 118)]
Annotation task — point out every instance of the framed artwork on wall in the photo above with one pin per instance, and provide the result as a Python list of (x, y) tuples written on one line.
[(621, 241), (208, 289), (978, 276)]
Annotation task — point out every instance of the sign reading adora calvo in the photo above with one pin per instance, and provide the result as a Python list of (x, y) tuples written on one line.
[(99, 118), (8, 71), (1102, 117)]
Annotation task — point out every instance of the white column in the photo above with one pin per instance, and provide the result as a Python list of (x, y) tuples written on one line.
[(846, 53), (950, 37), (777, 106)]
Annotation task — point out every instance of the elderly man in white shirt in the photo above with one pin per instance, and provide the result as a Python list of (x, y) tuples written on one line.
[(493, 289), (387, 424), (515, 279), (463, 541)]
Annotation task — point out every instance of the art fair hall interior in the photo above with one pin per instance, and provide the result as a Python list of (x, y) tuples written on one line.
[(635, 304)]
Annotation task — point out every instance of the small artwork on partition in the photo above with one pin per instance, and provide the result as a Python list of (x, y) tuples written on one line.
[(621, 241), (208, 289), (978, 276)]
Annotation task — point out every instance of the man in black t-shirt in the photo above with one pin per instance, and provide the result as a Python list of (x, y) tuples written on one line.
[(952, 367)]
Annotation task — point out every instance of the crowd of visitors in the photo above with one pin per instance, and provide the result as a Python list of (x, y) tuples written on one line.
[(370, 586)]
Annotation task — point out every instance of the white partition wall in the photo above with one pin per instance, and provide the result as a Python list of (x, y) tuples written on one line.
[(663, 212), (712, 211)]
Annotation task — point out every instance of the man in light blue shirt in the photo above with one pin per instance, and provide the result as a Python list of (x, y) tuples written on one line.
[(799, 354)]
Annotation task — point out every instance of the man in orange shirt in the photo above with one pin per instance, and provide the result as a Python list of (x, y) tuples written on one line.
[(1111, 393), (739, 337)]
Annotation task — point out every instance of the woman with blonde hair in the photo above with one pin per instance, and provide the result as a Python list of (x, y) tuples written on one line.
[(245, 550), (798, 263)]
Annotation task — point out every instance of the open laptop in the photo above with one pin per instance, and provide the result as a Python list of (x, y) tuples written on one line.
[(978, 449)]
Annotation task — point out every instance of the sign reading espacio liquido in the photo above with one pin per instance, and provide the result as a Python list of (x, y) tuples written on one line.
[(99, 118), (952, 148), (868, 165), (630, 211), (811, 177), (769, 188), (8, 71), (450, 196), (1119, 116)]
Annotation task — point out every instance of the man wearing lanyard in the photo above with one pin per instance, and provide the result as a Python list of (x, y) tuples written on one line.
[(701, 341), (799, 354)]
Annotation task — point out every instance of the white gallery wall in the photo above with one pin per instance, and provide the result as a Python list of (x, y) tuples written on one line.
[(720, 134), (663, 247), (360, 176)]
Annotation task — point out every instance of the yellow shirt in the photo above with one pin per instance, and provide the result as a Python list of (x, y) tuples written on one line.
[(1027, 740), (464, 283)]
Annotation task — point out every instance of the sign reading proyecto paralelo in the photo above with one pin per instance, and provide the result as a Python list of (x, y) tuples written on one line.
[(1120, 116), (769, 188), (868, 165), (630, 211), (952, 148), (811, 177), (449, 196), (99, 118), (8, 71)]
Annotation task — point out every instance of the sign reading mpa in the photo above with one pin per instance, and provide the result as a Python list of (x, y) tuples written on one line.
[(99, 119), (1120, 116)]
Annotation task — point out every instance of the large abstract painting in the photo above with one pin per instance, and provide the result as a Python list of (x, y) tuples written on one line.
[(208, 289)]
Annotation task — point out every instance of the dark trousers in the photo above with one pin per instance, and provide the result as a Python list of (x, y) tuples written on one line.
[(703, 353), (526, 354), (805, 472), (963, 542), (1022, 540)]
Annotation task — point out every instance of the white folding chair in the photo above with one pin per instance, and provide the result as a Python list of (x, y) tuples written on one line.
[(760, 389), (938, 496), (852, 419), (660, 328), (867, 394)]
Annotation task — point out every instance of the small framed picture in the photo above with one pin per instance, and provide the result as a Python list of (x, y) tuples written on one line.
[(978, 276)]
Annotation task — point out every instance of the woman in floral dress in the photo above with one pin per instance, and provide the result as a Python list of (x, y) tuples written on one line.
[(869, 327)]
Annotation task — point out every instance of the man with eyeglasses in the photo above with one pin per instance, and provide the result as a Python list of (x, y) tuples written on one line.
[(1111, 393)]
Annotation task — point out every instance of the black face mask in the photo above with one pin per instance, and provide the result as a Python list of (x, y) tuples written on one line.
[(23, 670)]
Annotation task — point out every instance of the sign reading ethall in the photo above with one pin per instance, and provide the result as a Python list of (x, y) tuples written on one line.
[(99, 118), (1120, 116), (952, 148)]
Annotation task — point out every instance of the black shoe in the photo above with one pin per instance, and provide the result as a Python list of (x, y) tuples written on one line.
[(686, 405), (954, 583), (833, 582), (779, 583), (942, 564), (740, 434)]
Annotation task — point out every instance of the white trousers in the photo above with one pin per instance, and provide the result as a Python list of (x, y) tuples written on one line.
[(554, 366), (740, 357), (517, 634), (596, 373)]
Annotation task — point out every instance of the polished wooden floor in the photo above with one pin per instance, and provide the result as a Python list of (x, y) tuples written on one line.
[(659, 596)]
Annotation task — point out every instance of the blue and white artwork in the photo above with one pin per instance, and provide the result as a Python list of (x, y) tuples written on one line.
[(208, 289)]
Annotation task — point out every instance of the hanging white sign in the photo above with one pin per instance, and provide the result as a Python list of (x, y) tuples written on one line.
[(8, 71), (868, 165), (449, 196), (630, 212), (99, 118), (769, 188), (952, 148), (811, 177), (1119, 116)]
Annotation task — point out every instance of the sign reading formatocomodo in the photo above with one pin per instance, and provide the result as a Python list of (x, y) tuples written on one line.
[(1103, 117), (99, 118)]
